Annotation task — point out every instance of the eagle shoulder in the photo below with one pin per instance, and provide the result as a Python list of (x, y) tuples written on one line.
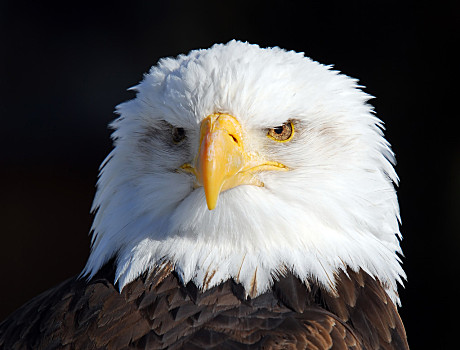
[(156, 311)]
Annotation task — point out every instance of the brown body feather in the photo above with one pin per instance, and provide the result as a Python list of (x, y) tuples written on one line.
[(158, 312)]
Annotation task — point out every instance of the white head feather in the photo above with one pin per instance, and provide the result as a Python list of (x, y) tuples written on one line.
[(335, 208)]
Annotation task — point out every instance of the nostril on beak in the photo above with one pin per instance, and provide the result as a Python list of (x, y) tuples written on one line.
[(234, 138)]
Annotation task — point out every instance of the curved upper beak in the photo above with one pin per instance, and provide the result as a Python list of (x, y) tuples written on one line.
[(221, 162), (221, 154)]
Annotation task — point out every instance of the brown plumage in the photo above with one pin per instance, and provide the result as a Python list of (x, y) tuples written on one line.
[(158, 312)]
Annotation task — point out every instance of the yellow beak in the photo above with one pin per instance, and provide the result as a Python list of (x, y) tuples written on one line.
[(221, 162)]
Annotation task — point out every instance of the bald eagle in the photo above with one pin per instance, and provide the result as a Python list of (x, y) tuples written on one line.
[(248, 202)]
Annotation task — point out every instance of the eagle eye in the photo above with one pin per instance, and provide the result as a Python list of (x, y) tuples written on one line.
[(178, 134), (282, 133)]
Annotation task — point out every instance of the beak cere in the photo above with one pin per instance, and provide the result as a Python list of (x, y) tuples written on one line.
[(221, 154), (221, 162)]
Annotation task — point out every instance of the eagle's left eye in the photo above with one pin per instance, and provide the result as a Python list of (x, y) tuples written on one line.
[(178, 134), (282, 133)]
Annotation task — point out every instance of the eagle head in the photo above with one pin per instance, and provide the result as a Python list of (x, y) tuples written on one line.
[(245, 163)]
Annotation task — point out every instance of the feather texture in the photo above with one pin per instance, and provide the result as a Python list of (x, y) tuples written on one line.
[(156, 311)]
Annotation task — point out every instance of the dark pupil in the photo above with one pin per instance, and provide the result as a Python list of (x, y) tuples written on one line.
[(279, 130), (178, 134)]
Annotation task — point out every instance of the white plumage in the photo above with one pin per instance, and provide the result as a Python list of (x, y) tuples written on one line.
[(335, 207)]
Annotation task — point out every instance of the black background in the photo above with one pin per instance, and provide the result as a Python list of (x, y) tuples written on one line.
[(64, 67)]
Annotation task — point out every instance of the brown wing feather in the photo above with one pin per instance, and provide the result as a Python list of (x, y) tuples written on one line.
[(158, 312)]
